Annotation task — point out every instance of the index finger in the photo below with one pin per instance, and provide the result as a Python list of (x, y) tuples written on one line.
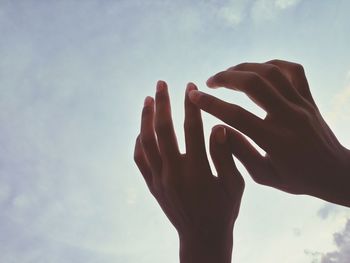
[(235, 116), (260, 91)]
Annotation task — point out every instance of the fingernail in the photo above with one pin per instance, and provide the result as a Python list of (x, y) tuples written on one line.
[(161, 85), (220, 135), (210, 82), (190, 86), (148, 101), (195, 95)]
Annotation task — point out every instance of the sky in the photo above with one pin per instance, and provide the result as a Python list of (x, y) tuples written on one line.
[(73, 77)]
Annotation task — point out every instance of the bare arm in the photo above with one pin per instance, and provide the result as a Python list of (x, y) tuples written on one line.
[(203, 208)]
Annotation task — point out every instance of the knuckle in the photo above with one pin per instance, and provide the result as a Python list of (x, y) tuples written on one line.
[(273, 72), (310, 108), (137, 156), (253, 79), (298, 68), (302, 115), (241, 66), (275, 61)]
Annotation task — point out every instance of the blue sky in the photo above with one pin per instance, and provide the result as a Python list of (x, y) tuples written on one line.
[(73, 76)]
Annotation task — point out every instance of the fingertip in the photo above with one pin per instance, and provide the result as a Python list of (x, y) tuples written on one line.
[(161, 86), (211, 82), (148, 101), (220, 134), (190, 86), (195, 95)]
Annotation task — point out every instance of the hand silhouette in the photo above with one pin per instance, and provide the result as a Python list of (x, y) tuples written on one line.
[(303, 156), (202, 207)]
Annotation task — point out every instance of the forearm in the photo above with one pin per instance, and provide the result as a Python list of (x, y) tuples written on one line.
[(208, 250)]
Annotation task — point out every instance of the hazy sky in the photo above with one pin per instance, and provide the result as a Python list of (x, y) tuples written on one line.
[(73, 76)]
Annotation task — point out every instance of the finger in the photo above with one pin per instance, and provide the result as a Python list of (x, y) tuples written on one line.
[(142, 163), (164, 126), (274, 76), (259, 90), (224, 163), (194, 136), (147, 136), (235, 116), (296, 75), (256, 164)]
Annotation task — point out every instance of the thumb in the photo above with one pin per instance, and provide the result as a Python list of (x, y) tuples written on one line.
[(258, 166), (223, 161)]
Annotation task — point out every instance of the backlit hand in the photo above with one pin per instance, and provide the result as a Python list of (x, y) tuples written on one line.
[(202, 207), (302, 154)]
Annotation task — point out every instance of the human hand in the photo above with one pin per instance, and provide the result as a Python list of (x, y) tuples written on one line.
[(303, 156), (202, 207)]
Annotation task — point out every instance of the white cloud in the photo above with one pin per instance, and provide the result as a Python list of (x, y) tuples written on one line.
[(233, 12), (327, 210), (283, 4), (263, 10), (341, 102), (338, 116), (342, 241)]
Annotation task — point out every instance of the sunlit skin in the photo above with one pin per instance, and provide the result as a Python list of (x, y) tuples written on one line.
[(303, 156), (202, 207)]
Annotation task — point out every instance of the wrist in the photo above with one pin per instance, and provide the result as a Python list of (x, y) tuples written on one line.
[(206, 248), (336, 190), (344, 182)]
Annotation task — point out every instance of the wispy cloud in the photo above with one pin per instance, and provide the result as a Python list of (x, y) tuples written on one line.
[(263, 10), (341, 105), (236, 12), (327, 210), (342, 242), (283, 4)]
